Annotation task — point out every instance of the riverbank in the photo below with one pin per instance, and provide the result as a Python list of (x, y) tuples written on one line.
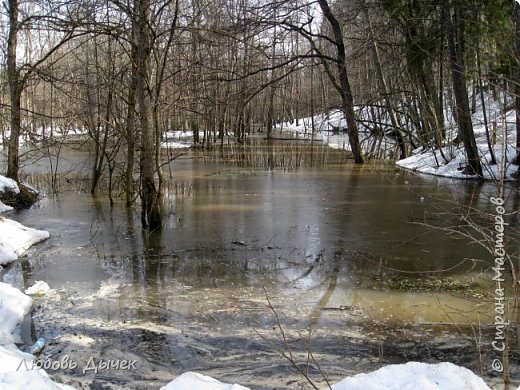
[(495, 139), (15, 239)]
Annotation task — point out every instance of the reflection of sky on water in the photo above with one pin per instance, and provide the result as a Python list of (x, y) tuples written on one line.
[(226, 227)]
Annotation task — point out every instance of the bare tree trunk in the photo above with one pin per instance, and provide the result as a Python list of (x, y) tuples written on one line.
[(158, 88), (344, 90), (433, 106), (15, 92), (130, 121), (456, 46), (272, 89), (17, 77), (195, 74), (384, 87), (150, 207), (96, 125), (484, 111), (517, 82)]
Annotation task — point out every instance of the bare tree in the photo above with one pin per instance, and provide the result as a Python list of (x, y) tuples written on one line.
[(150, 207), (517, 81), (19, 74), (385, 92), (343, 86), (300, 18), (455, 24)]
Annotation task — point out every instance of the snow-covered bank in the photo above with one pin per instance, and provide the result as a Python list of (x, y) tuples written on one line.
[(414, 375), (15, 238), (194, 380), (433, 163), (410, 376), (178, 139), (7, 185), (452, 160), (16, 366), (330, 128)]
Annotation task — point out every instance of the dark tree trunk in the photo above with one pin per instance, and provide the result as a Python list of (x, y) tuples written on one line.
[(195, 75), (517, 83), (130, 121), (344, 90), (422, 76), (151, 211), (100, 145), (455, 25), (15, 92)]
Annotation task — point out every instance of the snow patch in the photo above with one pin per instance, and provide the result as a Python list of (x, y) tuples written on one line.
[(33, 379), (176, 145), (4, 208), (409, 376), (433, 163), (16, 371), (7, 184), (16, 238), (13, 306), (178, 139), (16, 368), (330, 128), (193, 380), (453, 160), (39, 288), (415, 376)]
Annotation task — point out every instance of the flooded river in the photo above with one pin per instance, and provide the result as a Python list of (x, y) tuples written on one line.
[(341, 250)]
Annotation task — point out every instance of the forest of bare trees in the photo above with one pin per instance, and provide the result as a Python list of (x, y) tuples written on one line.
[(129, 71)]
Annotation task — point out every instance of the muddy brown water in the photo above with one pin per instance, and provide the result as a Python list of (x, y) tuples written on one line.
[(338, 249)]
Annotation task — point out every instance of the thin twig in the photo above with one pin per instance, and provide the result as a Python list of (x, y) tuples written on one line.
[(289, 354)]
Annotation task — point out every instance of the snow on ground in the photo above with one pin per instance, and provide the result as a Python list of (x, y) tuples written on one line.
[(6, 185), (415, 376), (328, 129), (39, 134), (428, 162), (176, 144), (433, 163), (13, 306), (16, 238), (179, 139), (454, 160), (4, 208), (39, 288), (409, 376), (193, 380), (16, 368)]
